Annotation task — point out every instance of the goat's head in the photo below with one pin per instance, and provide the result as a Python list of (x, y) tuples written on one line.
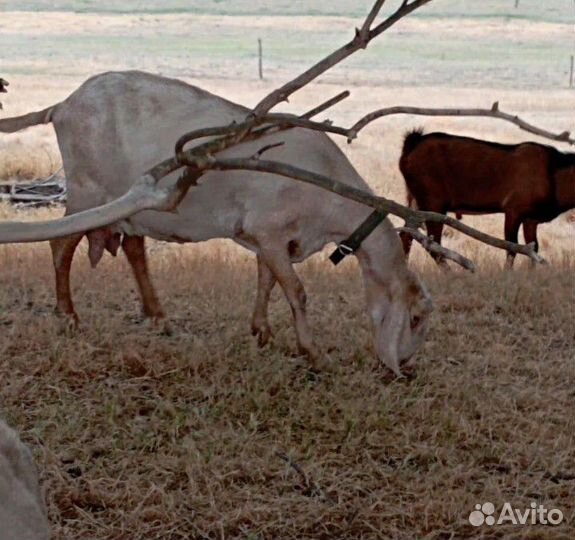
[(399, 311)]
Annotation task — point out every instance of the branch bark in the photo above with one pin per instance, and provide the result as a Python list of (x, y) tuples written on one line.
[(234, 133), (143, 195)]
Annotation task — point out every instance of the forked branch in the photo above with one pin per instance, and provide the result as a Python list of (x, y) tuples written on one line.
[(433, 247), (493, 112), (360, 41), (235, 133)]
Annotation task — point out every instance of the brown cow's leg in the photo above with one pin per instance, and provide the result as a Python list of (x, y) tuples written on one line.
[(530, 234), (260, 323), (512, 224), (62, 254), (135, 251)]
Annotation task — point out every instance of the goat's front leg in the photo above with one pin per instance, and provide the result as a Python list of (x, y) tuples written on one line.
[(279, 263), (260, 324), (436, 231)]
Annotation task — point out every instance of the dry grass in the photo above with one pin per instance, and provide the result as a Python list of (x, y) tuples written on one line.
[(140, 435)]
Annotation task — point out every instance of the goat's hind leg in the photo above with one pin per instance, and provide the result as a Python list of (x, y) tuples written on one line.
[(260, 324), (530, 235), (512, 224), (135, 251), (435, 230), (62, 255)]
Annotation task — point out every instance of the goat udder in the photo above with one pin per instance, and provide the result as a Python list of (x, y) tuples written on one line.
[(100, 240)]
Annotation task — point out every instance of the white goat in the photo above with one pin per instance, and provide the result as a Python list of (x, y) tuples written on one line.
[(117, 125)]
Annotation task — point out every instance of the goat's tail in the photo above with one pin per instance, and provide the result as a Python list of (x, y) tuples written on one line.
[(411, 140), (11, 125)]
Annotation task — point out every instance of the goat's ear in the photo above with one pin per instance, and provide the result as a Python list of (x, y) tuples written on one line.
[(419, 299), (389, 337)]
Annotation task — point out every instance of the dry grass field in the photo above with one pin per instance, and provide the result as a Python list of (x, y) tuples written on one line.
[(200, 434)]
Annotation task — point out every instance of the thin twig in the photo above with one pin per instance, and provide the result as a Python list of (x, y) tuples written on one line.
[(266, 148), (309, 483), (326, 105), (430, 245)]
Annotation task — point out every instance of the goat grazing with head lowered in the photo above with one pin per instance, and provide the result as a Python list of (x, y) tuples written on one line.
[(117, 125), (530, 183)]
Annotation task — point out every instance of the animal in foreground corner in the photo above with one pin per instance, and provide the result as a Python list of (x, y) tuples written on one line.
[(118, 125), (22, 508), (530, 183)]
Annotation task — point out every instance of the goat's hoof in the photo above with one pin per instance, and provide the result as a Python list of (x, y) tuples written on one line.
[(317, 361), (262, 332), (69, 321), (160, 324)]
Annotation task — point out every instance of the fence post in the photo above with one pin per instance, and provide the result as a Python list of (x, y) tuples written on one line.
[(260, 59)]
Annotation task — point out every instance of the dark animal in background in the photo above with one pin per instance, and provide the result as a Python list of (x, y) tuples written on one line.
[(530, 183), (3, 85)]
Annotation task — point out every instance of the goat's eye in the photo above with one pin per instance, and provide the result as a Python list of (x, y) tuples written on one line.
[(415, 320)]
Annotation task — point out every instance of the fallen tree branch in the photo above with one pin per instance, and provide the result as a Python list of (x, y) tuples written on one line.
[(410, 215), (360, 41), (494, 112), (432, 246), (235, 133), (145, 194)]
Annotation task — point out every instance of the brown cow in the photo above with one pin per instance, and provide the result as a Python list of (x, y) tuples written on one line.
[(529, 182)]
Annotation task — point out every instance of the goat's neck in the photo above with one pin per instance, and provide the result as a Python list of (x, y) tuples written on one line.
[(381, 256)]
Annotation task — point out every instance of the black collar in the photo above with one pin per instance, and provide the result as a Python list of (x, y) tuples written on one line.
[(353, 242)]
